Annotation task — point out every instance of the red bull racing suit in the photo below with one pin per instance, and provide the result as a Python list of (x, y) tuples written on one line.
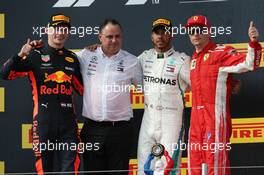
[(53, 75)]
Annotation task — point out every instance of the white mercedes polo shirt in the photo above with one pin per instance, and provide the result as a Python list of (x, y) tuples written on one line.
[(107, 82)]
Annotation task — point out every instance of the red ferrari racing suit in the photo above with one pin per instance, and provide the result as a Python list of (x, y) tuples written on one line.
[(210, 127)]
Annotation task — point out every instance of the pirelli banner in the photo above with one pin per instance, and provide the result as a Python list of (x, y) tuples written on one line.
[(230, 19), (244, 131)]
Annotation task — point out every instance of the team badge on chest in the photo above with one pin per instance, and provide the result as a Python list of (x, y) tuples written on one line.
[(120, 66), (45, 58), (193, 64), (206, 56)]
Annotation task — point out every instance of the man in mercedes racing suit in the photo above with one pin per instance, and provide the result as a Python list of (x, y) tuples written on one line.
[(166, 77)]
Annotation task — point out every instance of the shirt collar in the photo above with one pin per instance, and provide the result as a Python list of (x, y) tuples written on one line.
[(209, 46), (164, 54), (100, 51), (54, 50)]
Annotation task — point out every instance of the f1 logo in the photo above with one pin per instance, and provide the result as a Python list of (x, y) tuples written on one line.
[(2, 25), (74, 3), (136, 2), (88, 3)]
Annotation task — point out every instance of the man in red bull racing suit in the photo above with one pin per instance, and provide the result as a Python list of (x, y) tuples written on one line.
[(54, 73)]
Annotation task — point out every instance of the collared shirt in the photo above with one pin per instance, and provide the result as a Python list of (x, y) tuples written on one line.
[(106, 84)]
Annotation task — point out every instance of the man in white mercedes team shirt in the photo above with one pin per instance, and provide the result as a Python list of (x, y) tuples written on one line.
[(166, 77), (107, 74)]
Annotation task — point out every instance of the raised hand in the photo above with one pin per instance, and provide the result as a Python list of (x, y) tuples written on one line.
[(26, 48), (253, 32)]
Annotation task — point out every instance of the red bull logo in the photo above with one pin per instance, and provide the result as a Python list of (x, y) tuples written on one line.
[(59, 77), (35, 138), (59, 89)]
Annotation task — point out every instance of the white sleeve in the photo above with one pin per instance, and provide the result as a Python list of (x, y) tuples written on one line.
[(80, 54), (235, 62), (81, 57), (138, 74), (185, 71), (141, 59)]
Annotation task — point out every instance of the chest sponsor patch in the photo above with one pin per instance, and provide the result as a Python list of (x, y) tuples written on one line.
[(149, 61), (167, 81), (160, 56), (89, 73), (206, 56), (69, 59), (92, 65), (120, 69), (58, 77), (91, 69), (69, 68), (170, 69), (45, 68), (171, 61), (120, 66), (147, 72), (45, 58), (94, 60), (66, 105), (46, 64), (147, 66), (193, 64)]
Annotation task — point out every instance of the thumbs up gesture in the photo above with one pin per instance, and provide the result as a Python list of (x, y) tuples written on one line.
[(253, 32)]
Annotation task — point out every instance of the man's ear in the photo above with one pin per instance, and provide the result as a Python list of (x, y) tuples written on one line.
[(151, 36), (100, 37)]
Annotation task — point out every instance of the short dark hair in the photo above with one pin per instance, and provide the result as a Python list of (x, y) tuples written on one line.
[(109, 21)]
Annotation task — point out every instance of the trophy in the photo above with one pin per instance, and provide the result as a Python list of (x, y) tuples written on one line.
[(157, 151)]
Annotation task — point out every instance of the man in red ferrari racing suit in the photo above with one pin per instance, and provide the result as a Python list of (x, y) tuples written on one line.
[(211, 78)]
